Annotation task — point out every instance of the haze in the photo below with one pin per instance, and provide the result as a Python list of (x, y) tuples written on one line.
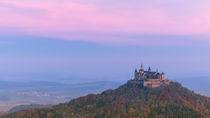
[(83, 41)]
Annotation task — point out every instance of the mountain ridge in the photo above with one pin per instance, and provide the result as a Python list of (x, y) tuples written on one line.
[(128, 101)]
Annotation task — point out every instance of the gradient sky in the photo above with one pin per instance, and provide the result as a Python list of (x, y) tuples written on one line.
[(103, 39)]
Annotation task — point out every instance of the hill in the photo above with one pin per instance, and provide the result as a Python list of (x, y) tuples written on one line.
[(128, 101), (24, 107)]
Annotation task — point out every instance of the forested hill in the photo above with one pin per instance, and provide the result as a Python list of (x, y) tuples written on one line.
[(129, 101)]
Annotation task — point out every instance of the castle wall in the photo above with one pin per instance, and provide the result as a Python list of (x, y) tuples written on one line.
[(162, 77), (156, 85)]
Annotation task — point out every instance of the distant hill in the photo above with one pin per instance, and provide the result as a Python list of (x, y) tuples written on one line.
[(192, 83), (24, 107), (128, 101), (46, 92)]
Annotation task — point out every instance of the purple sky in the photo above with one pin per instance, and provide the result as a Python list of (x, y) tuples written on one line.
[(103, 39), (67, 19)]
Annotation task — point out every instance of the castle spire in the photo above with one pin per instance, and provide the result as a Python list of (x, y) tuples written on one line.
[(135, 74), (149, 69), (156, 70), (142, 67)]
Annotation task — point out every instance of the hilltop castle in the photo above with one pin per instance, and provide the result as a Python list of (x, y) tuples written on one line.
[(149, 78)]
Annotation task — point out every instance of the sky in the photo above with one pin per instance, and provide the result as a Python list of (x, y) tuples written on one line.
[(93, 40)]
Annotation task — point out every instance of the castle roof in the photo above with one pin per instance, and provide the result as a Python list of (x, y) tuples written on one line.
[(151, 72)]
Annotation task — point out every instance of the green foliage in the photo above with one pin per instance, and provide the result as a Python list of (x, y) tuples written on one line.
[(129, 101)]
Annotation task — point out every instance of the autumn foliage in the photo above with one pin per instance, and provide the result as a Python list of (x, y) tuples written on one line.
[(129, 101)]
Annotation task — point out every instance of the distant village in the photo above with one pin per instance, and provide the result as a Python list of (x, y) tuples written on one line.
[(149, 78)]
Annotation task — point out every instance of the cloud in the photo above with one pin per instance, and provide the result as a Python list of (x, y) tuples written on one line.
[(69, 19)]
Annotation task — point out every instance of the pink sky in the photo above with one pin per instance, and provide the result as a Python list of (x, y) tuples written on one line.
[(61, 19)]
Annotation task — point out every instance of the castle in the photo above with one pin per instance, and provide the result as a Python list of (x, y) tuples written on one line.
[(149, 78)]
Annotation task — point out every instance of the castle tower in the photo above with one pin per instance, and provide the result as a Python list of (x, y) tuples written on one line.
[(136, 74), (163, 76), (149, 70), (142, 69)]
